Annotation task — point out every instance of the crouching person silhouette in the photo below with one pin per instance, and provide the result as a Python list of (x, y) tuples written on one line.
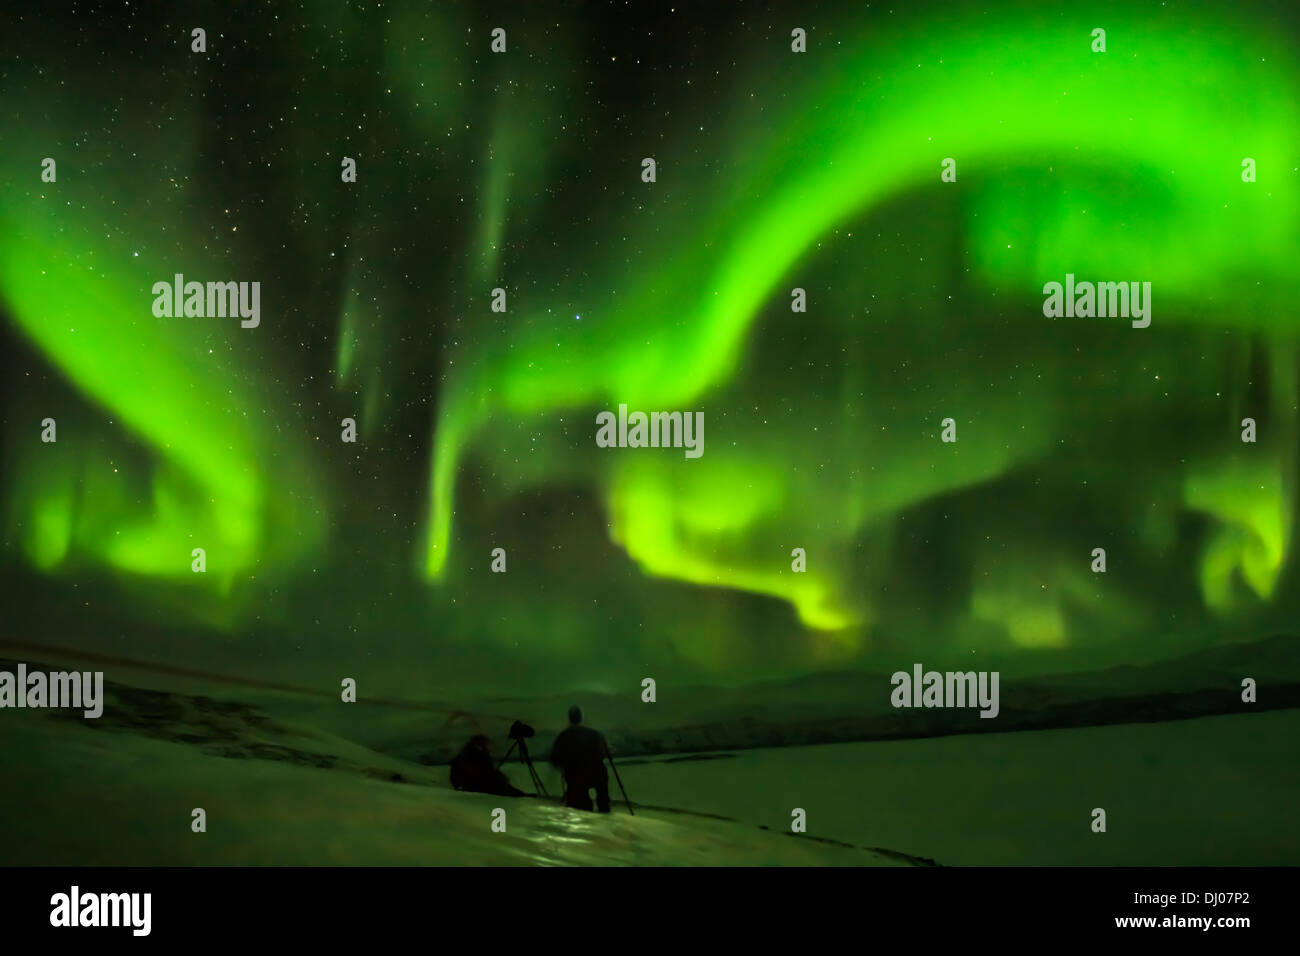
[(472, 769), (579, 753)]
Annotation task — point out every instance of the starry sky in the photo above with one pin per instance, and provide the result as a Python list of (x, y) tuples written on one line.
[(522, 170)]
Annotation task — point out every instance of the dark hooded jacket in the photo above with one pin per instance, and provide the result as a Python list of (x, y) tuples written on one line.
[(472, 769), (579, 752)]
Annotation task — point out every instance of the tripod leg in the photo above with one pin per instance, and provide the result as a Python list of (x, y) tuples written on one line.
[(610, 757), (532, 771), (507, 756)]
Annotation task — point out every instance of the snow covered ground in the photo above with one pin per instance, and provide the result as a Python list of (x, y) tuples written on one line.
[(1211, 791), (76, 796), (1207, 791)]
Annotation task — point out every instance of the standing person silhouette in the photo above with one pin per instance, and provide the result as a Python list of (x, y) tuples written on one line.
[(579, 753)]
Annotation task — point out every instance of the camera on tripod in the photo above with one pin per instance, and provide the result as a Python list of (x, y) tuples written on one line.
[(519, 732)]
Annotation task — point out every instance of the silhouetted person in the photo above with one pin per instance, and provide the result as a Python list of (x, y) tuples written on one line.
[(579, 753), (472, 769)]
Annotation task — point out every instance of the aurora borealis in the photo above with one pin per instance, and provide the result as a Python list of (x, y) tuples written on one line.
[(775, 171)]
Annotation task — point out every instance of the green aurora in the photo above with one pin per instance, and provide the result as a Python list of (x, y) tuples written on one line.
[(819, 172)]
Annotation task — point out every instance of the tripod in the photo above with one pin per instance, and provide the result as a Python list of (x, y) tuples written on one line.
[(610, 757), (532, 771)]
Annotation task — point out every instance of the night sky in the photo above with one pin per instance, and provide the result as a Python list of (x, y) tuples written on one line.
[(476, 429)]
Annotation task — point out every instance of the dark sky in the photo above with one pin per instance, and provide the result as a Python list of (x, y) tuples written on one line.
[(524, 171)]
